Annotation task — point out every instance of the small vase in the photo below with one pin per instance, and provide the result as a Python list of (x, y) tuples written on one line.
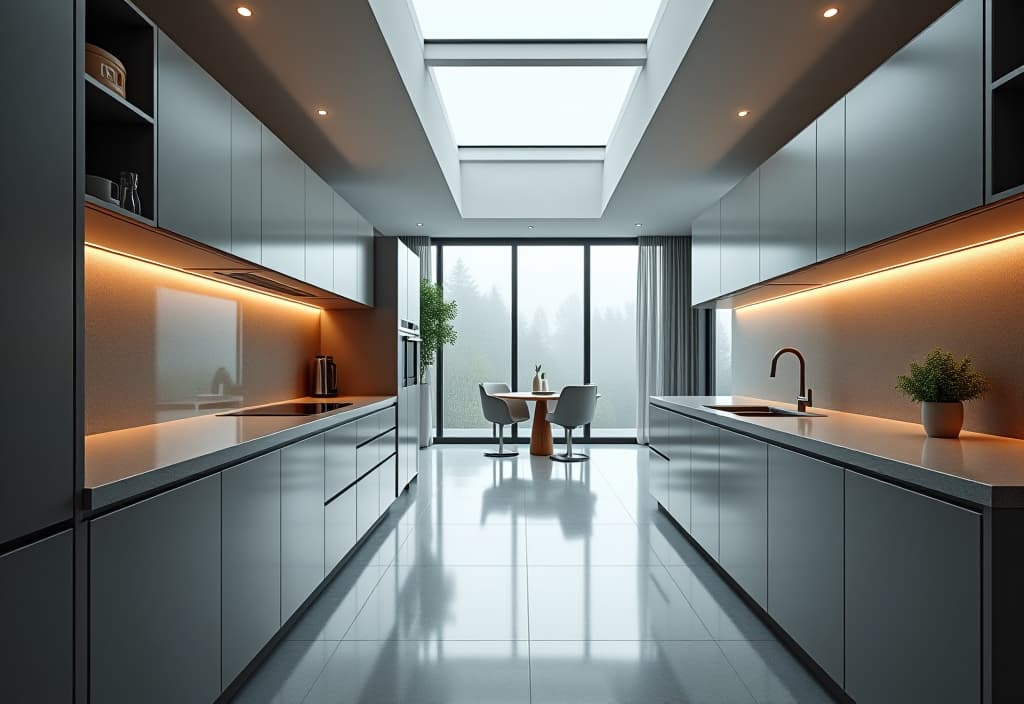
[(544, 385), (537, 384), (942, 420)]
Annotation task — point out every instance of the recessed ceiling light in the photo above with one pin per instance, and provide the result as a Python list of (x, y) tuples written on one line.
[(638, 224), (321, 112), (529, 227), (830, 12), (419, 224), (743, 113), (244, 11)]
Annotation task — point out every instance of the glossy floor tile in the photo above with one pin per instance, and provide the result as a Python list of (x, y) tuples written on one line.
[(528, 581)]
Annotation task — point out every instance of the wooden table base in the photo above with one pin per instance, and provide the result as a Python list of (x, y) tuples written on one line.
[(541, 442)]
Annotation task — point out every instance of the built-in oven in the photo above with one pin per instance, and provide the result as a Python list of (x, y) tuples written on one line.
[(409, 351)]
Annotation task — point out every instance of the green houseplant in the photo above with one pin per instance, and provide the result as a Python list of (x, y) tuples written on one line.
[(941, 383), (436, 330)]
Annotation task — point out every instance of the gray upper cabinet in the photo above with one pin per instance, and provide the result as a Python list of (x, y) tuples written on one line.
[(364, 260), (740, 259), (402, 256), (805, 554), (679, 468), (155, 599), (346, 250), (246, 180), (37, 195), (706, 259), (788, 238), (284, 208), (250, 561), (913, 596), (193, 149), (319, 231), (914, 132), (36, 610), (831, 182), (704, 486), (743, 518), (302, 522)]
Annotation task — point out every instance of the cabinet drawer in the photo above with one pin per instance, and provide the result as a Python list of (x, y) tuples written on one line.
[(341, 461), (340, 528), (368, 503), (387, 477)]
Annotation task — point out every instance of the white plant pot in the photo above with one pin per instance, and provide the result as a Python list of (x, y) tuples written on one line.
[(426, 415), (942, 420), (544, 385), (537, 383)]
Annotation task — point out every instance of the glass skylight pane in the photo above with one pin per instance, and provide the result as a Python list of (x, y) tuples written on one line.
[(536, 19), (533, 106)]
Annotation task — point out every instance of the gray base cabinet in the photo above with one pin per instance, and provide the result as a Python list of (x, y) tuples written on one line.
[(679, 469), (408, 434), (368, 501), (155, 599), (340, 452), (913, 596), (903, 171), (193, 149), (302, 522), (340, 528), (251, 561), (805, 554), (743, 517), (704, 486), (660, 444), (36, 610)]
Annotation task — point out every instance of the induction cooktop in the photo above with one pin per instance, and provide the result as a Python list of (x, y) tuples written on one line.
[(289, 409)]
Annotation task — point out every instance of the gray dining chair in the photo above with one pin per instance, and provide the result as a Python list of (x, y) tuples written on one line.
[(576, 406), (501, 412)]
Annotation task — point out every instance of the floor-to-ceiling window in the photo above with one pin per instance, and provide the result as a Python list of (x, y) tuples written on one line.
[(568, 306), (479, 278)]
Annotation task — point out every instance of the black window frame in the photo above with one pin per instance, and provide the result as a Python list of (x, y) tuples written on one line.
[(514, 243)]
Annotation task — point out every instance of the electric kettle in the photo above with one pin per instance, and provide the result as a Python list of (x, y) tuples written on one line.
[(324, 376)]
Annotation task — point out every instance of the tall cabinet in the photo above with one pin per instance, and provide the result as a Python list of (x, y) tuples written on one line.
[(38, 173)]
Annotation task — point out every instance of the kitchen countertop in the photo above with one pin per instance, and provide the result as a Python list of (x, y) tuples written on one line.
[(123, 464), (985, 470)]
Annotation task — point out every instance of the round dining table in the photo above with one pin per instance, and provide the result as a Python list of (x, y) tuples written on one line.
[(541, 442)]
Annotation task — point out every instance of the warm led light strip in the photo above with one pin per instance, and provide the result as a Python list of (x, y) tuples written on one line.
[(143, 260), (1001, 238)]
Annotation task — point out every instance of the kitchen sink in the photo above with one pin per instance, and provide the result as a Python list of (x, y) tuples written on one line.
[(764, 411)]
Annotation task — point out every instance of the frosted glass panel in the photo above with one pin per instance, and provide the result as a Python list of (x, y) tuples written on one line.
[(536, 19), (533, 105)]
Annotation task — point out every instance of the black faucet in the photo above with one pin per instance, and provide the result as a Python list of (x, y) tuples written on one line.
[(803, 400)]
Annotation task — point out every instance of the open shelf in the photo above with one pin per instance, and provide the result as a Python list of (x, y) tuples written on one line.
[(1007, 136), (1007, 22), (101, 103), (120, 132), (118, 210)]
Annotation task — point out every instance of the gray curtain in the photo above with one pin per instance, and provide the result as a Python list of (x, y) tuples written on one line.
[(675, 343), (421, 246)]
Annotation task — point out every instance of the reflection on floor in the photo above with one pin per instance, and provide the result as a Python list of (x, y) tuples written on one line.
[(507, 581)]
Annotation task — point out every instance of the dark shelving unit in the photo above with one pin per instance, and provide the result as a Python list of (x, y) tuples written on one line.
[(1007, 119), (120, 132), (1006, 18)]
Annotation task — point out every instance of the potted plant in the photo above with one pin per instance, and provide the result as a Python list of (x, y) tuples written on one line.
[(436, 330), (941, 383)]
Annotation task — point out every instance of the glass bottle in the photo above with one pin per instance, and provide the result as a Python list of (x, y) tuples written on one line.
[(129, 192)]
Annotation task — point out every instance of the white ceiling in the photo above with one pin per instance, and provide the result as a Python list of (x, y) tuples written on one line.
[(780, 59)]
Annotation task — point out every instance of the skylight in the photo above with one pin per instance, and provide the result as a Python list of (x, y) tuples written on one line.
[(536, 19), (535, 106)]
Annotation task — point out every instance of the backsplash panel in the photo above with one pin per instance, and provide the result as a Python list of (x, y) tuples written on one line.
[(161, 344), (859, 335)]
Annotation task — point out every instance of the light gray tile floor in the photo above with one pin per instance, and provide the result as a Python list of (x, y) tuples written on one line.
[(506, 581)]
